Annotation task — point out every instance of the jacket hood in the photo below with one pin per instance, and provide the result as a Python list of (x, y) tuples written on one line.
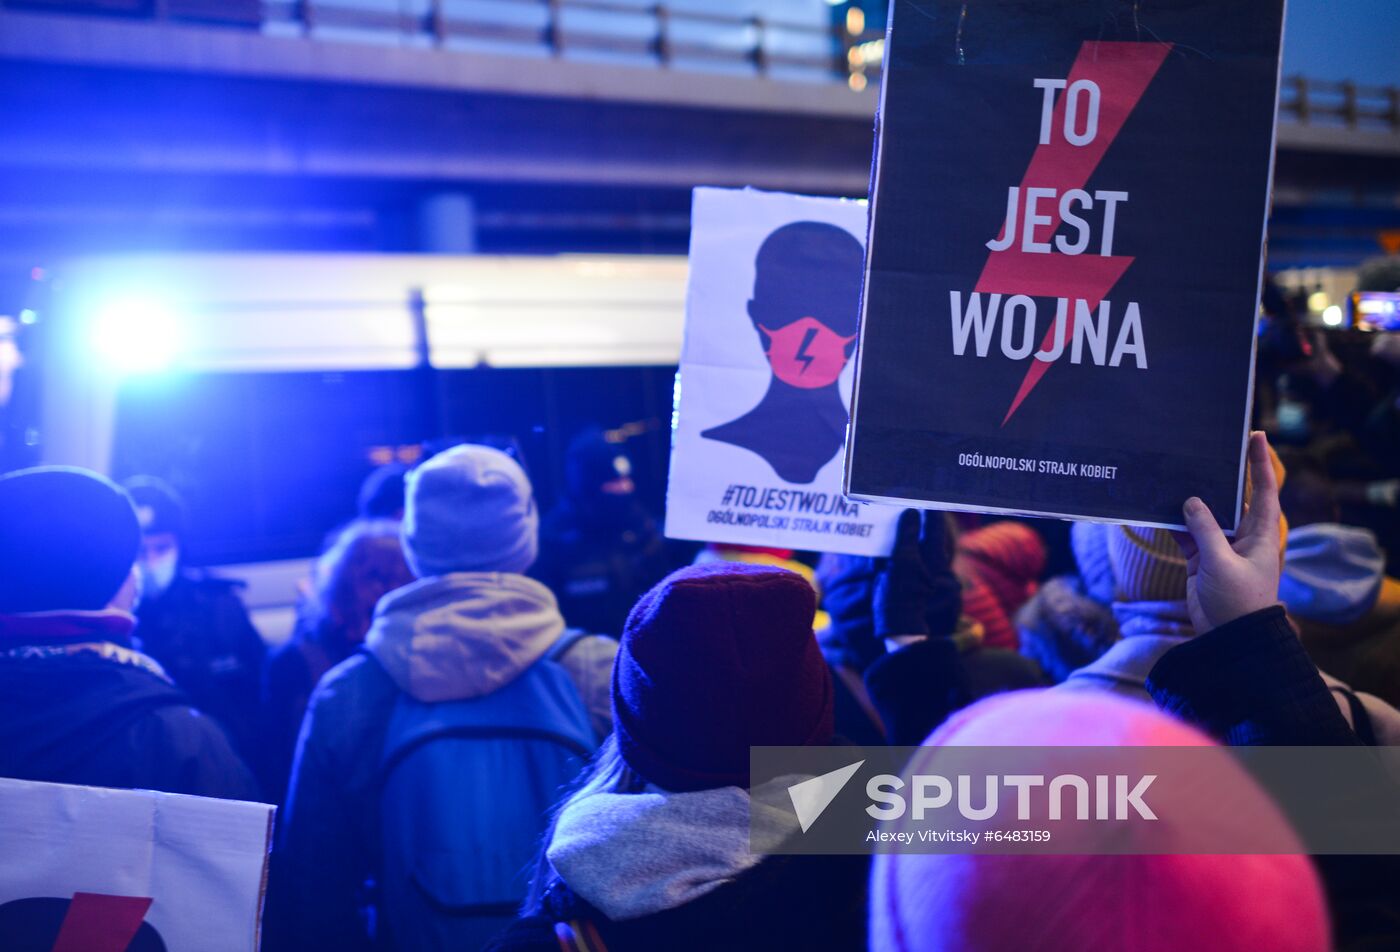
[(1331, 573), (464, 635), (635, 854)]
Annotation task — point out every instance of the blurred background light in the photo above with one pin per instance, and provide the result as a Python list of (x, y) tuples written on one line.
[(135, 335), (1332, 316)]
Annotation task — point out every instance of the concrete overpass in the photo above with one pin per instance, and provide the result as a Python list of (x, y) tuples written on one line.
[(109, 124)]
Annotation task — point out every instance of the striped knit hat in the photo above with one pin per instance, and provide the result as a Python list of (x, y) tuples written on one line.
[(1147, 565)]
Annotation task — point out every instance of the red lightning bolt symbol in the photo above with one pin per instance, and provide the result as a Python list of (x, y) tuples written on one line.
[(98, 923), (1122, 72)]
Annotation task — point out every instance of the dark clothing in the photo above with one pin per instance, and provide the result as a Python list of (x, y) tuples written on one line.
[(848, 595), (289, 677), (918, 686), (199, 631), (329, 839), (855, 715), (599, 566), (914, 688), (1250, 683), (82, 718), (785, 902)]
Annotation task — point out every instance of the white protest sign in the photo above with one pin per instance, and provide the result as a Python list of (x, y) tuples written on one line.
[(130, 871), (765, 376)]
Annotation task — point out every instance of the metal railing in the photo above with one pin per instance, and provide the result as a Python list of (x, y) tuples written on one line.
[(659, 31), (656, 31), (665, 35), (1347, 105)]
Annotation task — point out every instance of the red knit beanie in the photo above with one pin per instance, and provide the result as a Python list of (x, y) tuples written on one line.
[(715, 659)]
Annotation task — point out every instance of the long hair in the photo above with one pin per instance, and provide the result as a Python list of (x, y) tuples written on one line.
[(365, 563), (607, 772)]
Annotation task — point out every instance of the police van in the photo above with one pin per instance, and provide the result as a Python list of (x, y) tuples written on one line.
[(264, 388)]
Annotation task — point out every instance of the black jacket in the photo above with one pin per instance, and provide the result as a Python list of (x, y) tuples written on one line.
[(84, 719), (1250, 683), (199, 631), (598, 567), (785, 902)]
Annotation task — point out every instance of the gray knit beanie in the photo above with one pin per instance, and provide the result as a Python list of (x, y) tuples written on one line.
[(470, 509)]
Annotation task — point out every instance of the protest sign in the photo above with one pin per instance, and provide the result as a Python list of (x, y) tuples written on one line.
[(129, 871), (1064, 258), (765, 376)]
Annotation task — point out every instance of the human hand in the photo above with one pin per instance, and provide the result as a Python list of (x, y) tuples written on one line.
[(913, 590), (1229, 579)]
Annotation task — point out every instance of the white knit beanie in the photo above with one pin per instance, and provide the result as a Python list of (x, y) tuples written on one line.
[(470, 509)]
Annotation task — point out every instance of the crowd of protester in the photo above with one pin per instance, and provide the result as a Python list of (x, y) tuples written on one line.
[(493, 728)]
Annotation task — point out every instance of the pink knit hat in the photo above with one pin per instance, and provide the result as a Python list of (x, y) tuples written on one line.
[(1129, 903)]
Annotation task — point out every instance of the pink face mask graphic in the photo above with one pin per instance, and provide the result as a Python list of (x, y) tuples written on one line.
[(806, 353)]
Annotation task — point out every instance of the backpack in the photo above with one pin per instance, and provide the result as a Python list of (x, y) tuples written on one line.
[(466, 791)]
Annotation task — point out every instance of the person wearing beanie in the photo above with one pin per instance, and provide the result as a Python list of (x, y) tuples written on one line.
[(381, 495), (1129, 903), (1068, 623), (651, 850), (1150, 576), (195, 623), (473, 656), (600, 549), (1000, 565), (79, 703)]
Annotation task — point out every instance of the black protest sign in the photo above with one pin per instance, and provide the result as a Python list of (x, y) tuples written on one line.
[(1063, 266)]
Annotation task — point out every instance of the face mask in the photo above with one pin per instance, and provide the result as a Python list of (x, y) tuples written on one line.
[(157, 575), (806, 353)]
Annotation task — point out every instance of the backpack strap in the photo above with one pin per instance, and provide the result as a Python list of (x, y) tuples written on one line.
[(579, 935), (566, 643), (1360, 717)]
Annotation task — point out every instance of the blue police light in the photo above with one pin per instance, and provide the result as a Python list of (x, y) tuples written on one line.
[(137, 335)]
